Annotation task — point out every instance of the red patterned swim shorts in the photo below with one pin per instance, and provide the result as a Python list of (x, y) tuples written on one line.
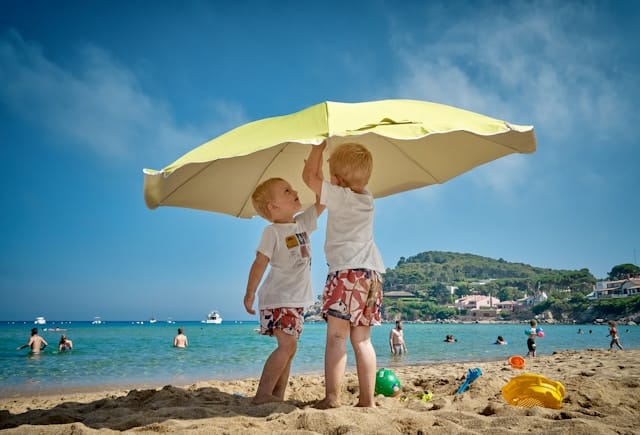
[(289, 320), (354, 295)]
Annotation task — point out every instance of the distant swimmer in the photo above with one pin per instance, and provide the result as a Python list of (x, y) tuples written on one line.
[(36, 343), (64, 344), (500, 340), (180, 340)]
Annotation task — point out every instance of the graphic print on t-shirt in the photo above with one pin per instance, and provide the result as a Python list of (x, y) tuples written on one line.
[(298, 244)]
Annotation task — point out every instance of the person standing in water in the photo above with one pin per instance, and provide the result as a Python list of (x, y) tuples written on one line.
[(396, 340), (180, 340), (36, 343), (64, 344)]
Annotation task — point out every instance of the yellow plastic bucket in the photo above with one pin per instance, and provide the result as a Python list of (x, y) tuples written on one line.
[(529, 390)]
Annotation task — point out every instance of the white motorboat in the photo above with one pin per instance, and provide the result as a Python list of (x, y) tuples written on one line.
[(213, 317), (96, 321), (40, 321)]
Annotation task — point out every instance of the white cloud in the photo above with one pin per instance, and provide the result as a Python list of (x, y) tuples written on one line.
[(540, 64), (99, 106)]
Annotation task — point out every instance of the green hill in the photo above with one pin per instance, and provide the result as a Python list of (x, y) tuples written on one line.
[(429, 269), (434, 279)]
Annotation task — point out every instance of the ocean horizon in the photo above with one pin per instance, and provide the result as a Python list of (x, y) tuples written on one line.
[(131, 354)]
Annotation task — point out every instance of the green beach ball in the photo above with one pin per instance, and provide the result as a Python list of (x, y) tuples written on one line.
[(387, 383)]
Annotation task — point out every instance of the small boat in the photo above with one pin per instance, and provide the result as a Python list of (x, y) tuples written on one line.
[(96, 321), (40, 321), (153, 320), (213, 317)]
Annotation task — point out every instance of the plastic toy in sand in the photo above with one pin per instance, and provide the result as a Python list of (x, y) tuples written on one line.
[(516, 361), (427, 396), (387, 383), (472, 375), (530, 390)]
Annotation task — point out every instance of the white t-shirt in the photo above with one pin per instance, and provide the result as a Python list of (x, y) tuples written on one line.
[(288, 283), (349, 243)]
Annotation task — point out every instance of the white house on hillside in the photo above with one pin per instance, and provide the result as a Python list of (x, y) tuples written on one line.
[(475, 302), (532, 300), (623, 288)]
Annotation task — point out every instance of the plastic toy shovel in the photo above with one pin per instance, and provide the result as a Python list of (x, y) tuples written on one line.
[(471, 376)]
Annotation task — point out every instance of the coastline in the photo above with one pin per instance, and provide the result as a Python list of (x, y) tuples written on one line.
[(602, 389)]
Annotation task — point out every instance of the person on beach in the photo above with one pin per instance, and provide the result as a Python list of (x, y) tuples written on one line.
[(531, 339), (352, 294), (64, 344), (286, 291), (180, 340), (36, 343), (396, 339), (613, 333)]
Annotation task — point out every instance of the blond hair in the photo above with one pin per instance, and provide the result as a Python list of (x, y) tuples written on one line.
[(352, 163), (262, 195)]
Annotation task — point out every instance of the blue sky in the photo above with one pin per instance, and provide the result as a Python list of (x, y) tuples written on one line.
[(92, 92)]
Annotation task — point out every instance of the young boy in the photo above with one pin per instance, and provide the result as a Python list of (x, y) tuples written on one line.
[(353, 292), (531, 340), (286, 290)]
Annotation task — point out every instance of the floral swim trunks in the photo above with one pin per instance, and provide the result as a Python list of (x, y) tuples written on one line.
[(289, 320), (354, 295)]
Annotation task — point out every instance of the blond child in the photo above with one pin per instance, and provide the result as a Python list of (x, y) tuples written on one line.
[(353, 291), (286, 291)]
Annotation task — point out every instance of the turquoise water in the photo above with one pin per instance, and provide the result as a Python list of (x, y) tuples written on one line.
[(130, 355)]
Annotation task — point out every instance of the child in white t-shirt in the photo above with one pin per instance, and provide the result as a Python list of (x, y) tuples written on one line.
[(286, 291), (353, 292)]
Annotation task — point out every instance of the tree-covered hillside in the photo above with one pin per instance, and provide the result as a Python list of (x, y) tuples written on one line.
[(420, 288), (430, 275)]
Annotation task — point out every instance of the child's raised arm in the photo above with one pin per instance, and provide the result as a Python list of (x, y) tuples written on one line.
[(312, 173)]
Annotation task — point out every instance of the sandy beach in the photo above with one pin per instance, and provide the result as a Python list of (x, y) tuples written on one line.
[(602, 393)]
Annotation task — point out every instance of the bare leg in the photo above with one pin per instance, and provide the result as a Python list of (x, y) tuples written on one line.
[(275, 373), (365, 364), (283, 381), (335, 361)]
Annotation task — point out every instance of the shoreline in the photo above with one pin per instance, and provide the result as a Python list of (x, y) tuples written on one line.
[(9, 392), (602, 389)]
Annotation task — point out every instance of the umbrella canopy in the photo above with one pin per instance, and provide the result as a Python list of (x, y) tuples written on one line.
[(414, 144)]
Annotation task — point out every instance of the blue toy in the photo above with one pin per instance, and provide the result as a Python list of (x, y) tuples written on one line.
[(472, 375)]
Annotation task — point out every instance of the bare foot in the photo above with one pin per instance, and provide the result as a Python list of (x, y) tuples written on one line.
[(326, 404), (259, 400), (366, 405)]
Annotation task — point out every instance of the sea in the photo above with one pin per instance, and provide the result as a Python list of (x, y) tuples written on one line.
[(141, 355)]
